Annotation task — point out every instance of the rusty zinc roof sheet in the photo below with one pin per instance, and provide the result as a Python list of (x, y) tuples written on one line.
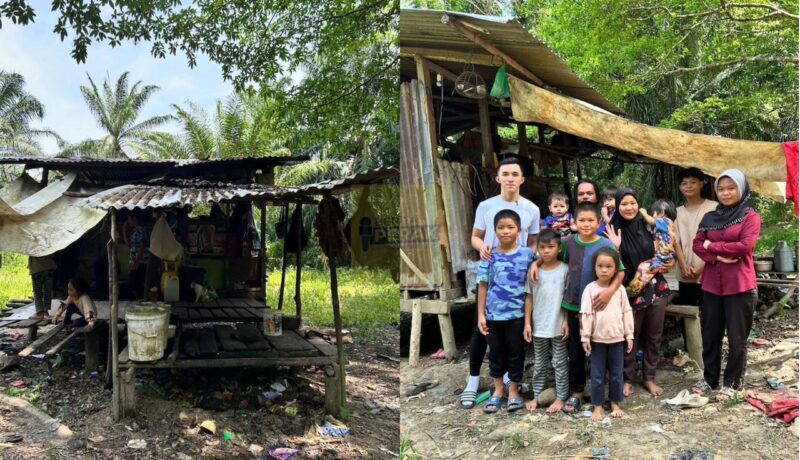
[(423, 32), (372, 176)]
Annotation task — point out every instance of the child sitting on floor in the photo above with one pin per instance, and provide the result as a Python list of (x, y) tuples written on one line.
[(77, 302), (662, 222), (502, 304), (606, 334), (560, 219)]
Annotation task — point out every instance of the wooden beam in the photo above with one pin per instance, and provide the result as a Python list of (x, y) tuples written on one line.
[(476, 38), (438, 69), (522, 138), (262, 251), (486, 132), (285, 254), (445, 55), (337, 321), (113, 289), (298, 304)]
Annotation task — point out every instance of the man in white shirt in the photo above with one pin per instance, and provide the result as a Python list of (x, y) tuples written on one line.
[(510, 178)]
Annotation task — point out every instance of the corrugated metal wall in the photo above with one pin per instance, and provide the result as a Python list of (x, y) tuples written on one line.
[(457, 198), (421, 258)]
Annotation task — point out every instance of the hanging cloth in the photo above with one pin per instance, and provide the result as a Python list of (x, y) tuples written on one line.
[(790, 150), (297, 238), (163, 243), (329, 228)]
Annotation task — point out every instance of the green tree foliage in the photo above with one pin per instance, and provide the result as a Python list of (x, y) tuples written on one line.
[(344, 54), (242, 126), (716, 67), (117, 110), (18, 109)]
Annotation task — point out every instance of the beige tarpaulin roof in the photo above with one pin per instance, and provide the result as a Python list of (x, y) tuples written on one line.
[(762, 162), (40, 222)]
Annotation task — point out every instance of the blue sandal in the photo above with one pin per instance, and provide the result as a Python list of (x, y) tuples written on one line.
[(515, 404), (495, 402)]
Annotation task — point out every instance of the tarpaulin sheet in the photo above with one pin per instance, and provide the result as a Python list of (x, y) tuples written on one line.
[(762, 162), (22, 197), (38, 223)]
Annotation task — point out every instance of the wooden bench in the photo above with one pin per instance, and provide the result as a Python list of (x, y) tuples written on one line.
[(694, 337)]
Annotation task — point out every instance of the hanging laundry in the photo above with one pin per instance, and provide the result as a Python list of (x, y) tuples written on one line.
[(790, 150)]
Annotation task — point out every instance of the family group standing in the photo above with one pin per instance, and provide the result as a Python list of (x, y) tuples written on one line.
[(591, 285)]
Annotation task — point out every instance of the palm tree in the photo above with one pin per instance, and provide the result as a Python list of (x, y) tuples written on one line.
[(18, 109), (242, 126), (117, 110)]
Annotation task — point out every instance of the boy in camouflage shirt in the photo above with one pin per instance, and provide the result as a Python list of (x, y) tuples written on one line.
[(502, 304)]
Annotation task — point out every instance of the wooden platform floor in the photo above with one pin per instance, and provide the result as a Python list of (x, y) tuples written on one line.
[(246, 345), (222, 310)]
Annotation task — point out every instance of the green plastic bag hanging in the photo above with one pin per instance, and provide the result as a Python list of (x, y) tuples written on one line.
[(500, 88)]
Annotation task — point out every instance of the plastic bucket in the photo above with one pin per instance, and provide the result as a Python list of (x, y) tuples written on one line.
[(147, 332)]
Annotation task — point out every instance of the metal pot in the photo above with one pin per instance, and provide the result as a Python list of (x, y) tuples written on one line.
[(763, 265)]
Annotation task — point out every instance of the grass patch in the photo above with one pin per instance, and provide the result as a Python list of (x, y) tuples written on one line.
[(15, 281), (369, 298)]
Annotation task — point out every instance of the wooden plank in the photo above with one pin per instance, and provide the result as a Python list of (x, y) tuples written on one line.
[(194, 314), (324, 347), (225, 302), (427, 306), (254, 303), (267, 359), (31, 348), (233, 313), (252, 337), (62, 343), (207, 342), (289, 341), (205, 314), (683, 311), (486, 133), (473, 36), (220, 314), (227, 338), (28, 323), (416, 333), (7, 323)]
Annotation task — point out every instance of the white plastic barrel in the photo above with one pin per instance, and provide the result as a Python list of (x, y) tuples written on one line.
[(147, 332)]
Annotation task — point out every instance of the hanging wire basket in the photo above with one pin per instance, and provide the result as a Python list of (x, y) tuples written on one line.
[(471, 85)]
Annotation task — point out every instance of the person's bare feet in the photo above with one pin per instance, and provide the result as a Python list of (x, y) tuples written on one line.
[(627, 389), (532, 405), (597, 413), (655, 390), (555, 407), (616, 411), (39, 315)]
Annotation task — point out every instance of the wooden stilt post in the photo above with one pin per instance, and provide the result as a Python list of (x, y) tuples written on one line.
[(283, 264), (113, 289), (337, 319), (298, 266), (262, 250), (565, 173)]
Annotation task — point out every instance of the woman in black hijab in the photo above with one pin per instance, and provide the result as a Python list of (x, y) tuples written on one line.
[(629, 232)]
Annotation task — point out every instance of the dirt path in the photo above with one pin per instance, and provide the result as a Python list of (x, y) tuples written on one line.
[(172, 405), (434, 424)]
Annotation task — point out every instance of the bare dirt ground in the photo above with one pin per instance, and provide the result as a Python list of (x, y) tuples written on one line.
[(172, 405), (434, 424)]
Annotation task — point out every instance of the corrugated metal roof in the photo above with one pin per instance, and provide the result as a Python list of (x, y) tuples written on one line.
[(122, 170), (372, 176), (179, 193), (168, 193), (423, 29)]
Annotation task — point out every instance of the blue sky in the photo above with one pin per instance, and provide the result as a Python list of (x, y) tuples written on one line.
[(53, 77)]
